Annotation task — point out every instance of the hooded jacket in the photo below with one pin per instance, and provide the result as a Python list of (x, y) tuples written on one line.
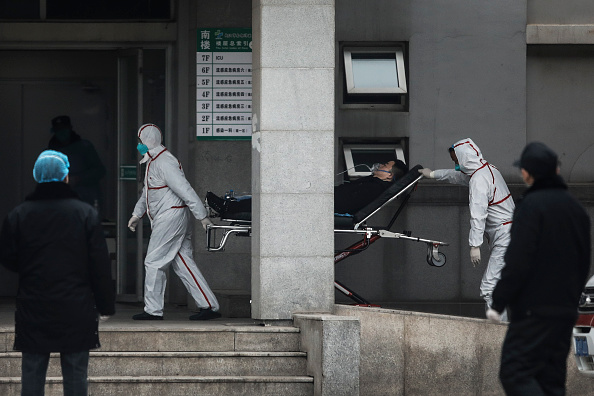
[(548, 258), (55, 242), (165, 185), (491, 204)]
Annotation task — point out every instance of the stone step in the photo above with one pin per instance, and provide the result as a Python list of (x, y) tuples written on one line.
[(219, 338), (178, 386), (234, 303), (178, 357), (159, 364)]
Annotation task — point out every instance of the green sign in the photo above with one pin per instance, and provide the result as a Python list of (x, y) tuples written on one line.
[(225, 40), (128, 172)]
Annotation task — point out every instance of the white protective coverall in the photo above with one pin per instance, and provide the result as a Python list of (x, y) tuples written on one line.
[(169, 200), (491, 207)]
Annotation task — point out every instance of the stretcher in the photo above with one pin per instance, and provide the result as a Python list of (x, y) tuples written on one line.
[(239, 224)]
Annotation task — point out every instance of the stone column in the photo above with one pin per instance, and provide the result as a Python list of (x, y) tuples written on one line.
[(292, 157)]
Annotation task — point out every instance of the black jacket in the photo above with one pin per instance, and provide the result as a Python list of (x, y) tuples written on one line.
[(86, 169), (354, 196), (548, 258), (55, 242)]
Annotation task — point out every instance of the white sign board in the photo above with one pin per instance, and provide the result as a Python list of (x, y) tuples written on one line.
[(224, 84)]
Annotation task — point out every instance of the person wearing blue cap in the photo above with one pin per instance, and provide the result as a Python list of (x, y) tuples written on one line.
[(51, 166), (54, 241)]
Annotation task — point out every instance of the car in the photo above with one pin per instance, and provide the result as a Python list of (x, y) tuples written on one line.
[(583, 333)]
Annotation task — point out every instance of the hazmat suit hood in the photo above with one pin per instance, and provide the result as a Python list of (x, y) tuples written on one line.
[(151, 135), (469, 155)]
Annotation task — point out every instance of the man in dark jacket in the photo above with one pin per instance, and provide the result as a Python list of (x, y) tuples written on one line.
[(546, 267), (55, 243), (86, 168)]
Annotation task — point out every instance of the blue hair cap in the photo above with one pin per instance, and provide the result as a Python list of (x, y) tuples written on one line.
[(51, 166)]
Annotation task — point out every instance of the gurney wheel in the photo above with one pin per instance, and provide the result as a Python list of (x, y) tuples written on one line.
[(437, 263)]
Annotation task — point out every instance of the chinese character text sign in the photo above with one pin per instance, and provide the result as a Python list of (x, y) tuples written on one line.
[(224, 84)]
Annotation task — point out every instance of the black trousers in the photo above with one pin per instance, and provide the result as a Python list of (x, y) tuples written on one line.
[(74, 373), (534, 356)]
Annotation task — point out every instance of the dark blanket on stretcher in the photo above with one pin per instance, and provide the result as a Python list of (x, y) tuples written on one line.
[(385, 196), (354, 196)]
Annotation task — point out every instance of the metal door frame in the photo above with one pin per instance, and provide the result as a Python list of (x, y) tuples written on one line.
[(123, 216)]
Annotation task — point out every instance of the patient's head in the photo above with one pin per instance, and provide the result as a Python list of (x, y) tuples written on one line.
[(399, 169), (391, 170)]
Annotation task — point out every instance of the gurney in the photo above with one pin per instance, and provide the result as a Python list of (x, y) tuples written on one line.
[(239, 224)]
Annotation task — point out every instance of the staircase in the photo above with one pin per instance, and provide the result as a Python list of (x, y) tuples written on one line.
[(182, 358)]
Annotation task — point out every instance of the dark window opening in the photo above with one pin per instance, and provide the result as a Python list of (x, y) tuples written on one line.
[(86, 10)]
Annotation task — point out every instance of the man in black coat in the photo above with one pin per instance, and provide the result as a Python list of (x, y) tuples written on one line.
[(86, 169), (55, 242), (546, 267)]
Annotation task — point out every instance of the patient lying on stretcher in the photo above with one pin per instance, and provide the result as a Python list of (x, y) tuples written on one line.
[(349, 198)]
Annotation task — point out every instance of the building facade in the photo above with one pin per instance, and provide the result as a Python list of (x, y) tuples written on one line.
[(502, 73)]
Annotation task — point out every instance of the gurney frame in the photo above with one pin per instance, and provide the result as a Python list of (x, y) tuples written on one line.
[(370, 235)]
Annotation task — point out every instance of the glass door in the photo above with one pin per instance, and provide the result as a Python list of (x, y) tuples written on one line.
[(130, 245)]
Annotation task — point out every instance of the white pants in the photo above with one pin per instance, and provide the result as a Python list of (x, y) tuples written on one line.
[(496, 263), (171, 243)]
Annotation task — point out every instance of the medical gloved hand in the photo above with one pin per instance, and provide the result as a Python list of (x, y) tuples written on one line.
[(493, 315), (133, 222), (103, 318), (205, 221), (428, 173), (475, 255)]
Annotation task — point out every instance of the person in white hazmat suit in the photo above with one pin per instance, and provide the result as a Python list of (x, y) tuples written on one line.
[(491, 208), (169, 200)]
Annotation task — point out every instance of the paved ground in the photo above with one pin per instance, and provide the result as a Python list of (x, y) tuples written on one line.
[(175, 317)]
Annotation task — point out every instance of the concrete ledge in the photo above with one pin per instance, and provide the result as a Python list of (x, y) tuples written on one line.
[(73, 32), (409, 353), (560, 34), (439, 193), (332, 346)]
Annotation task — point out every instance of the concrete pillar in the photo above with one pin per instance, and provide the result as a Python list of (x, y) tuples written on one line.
[(333, 348), (292, 157)]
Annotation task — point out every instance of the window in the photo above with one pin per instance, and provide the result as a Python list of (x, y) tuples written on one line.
[(375, 71), (359, 158), (108, 9), (23, 9), (375, 75)]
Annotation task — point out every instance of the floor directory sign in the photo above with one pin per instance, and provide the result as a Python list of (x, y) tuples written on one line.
[(224, 84)]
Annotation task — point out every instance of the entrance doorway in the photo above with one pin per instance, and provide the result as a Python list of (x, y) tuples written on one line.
[(107, 94)]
